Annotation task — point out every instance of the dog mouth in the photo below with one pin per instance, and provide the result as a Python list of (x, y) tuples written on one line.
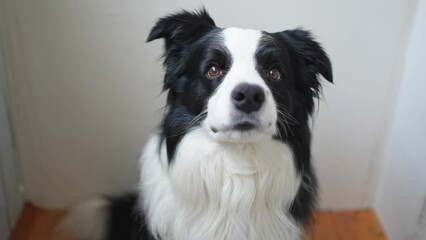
[(244, 126), (242, 130), (241, 126)]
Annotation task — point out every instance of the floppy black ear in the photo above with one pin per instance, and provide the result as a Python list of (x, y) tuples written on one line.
[(179, 31), (182, 26), (312, 53)]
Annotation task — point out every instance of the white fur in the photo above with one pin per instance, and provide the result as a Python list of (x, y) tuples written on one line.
[(88, 220), (218, 190), (242, 45)]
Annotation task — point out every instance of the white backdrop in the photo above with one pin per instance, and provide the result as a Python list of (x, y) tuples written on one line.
[(86, 87), (401, 199)]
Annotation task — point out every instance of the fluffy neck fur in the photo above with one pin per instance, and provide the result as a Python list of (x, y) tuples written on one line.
[(219, 190)]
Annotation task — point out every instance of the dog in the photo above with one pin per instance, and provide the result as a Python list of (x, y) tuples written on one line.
[(231, 159)]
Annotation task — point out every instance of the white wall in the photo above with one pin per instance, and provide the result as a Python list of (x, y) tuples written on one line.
[(11, 199), (402, 191), (86, 87)]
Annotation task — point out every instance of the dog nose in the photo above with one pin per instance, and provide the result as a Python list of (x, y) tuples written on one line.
[(248, 97)]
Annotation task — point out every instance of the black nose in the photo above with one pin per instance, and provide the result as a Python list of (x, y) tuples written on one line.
[(248, 97)]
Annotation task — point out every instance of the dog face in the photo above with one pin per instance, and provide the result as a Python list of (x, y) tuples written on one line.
[(239, 85), (242, 107)]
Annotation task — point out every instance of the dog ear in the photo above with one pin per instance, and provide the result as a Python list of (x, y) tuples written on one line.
[(181, 27), (311, 51), (179, 31)]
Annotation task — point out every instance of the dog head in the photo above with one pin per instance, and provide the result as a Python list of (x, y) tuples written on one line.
[(239, 85)]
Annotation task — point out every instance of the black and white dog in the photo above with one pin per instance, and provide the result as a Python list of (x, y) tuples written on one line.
[(231, 159)]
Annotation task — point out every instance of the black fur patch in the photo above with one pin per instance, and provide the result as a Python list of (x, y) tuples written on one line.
[(192, 43), (301, 60), (126, 222)]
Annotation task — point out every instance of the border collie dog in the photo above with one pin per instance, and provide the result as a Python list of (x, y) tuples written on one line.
[(231, 159)]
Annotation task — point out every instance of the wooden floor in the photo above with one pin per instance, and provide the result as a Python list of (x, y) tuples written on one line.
[(37, 224)]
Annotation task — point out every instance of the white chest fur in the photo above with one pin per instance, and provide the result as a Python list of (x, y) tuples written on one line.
[(219, 190)]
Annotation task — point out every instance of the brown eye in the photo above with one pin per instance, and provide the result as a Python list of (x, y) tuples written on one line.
[(274, 74), (214, 71)]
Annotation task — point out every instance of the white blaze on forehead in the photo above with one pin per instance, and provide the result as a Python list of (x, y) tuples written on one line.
[(242, 45), (241, 42)]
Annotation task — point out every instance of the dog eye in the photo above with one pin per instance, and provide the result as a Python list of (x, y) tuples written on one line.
[(274, 74), (214, 71)]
